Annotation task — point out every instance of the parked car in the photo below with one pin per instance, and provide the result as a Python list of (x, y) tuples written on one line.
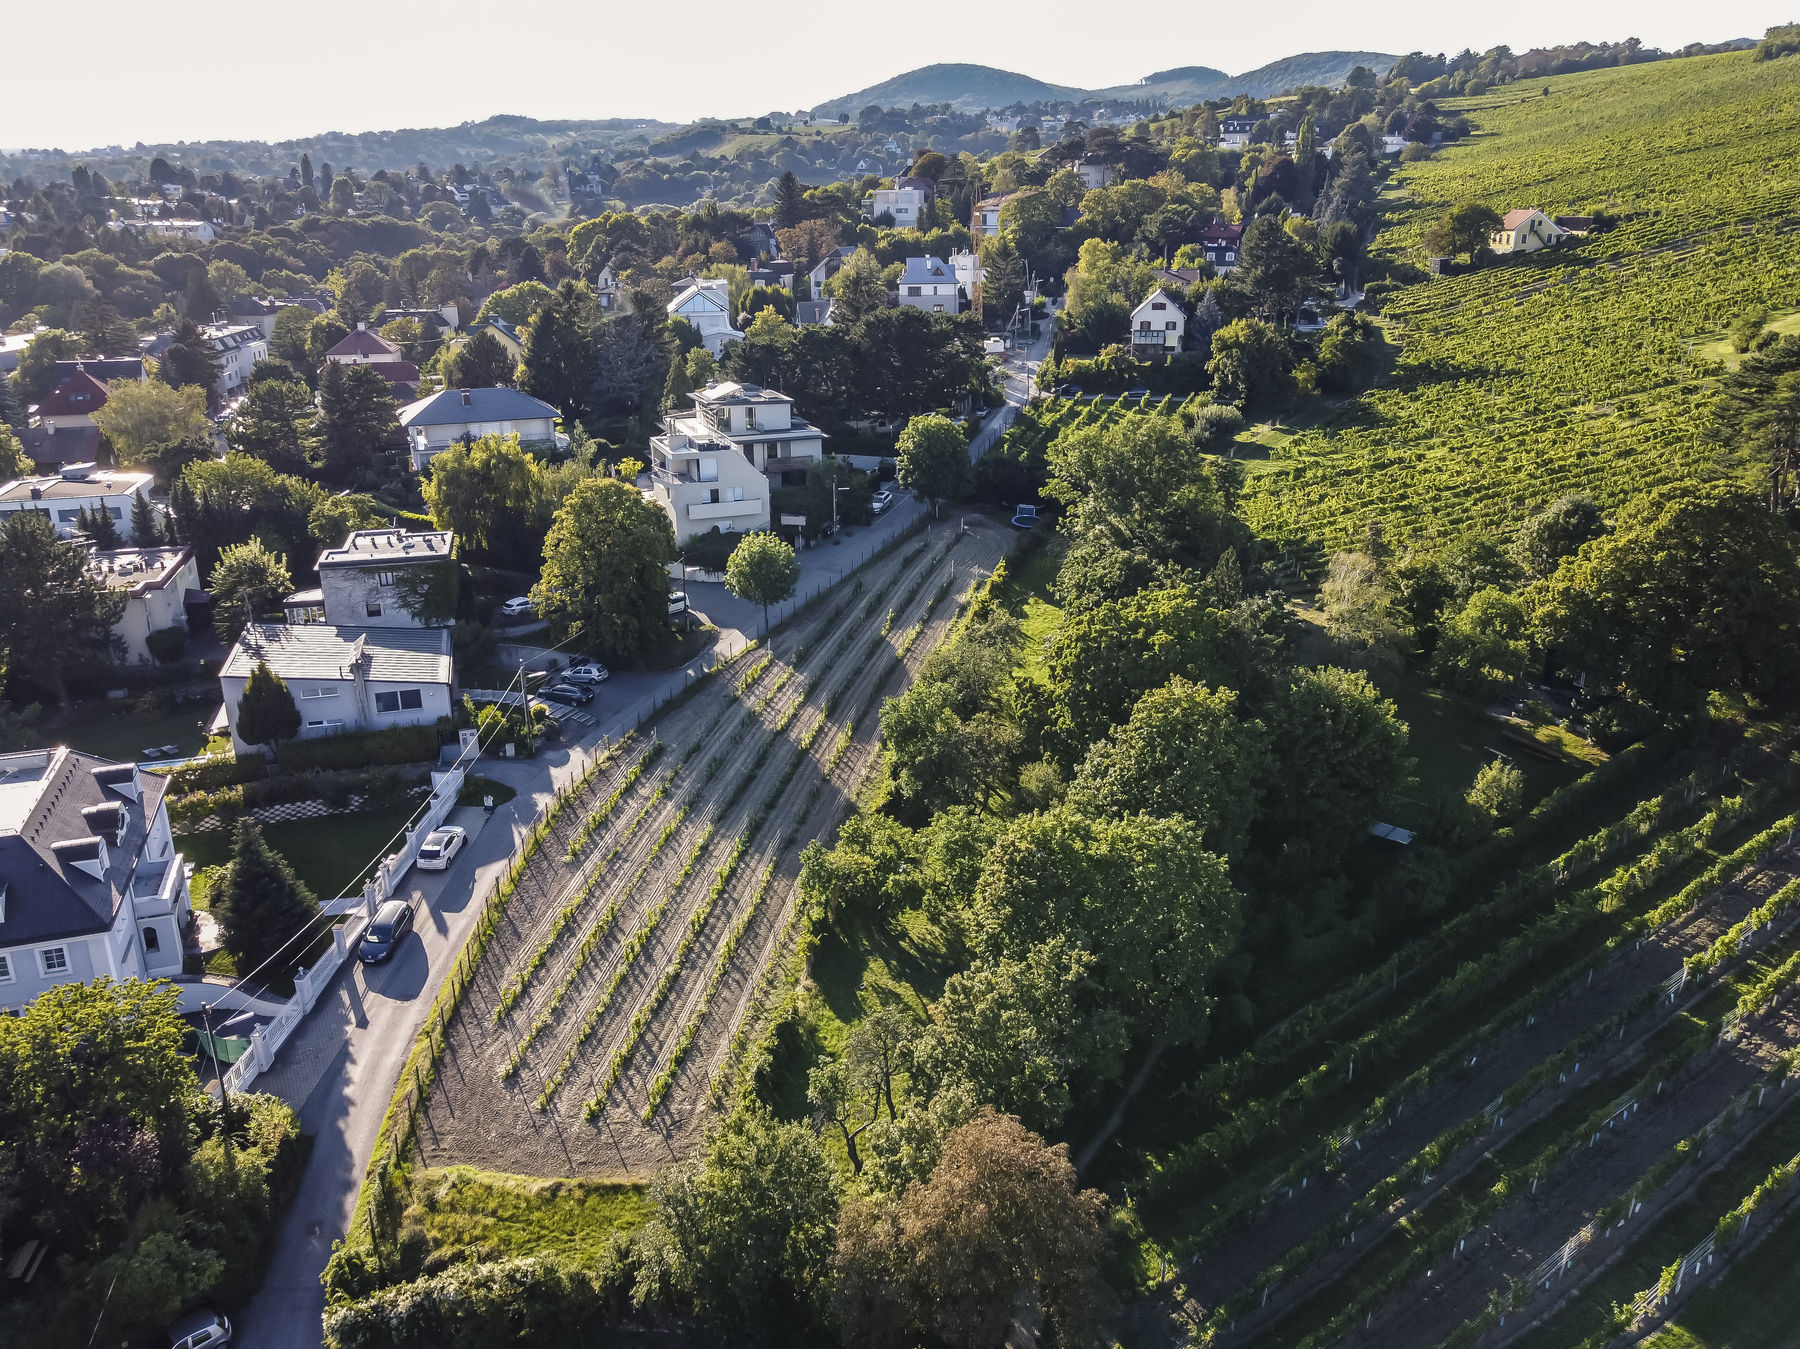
[(677, 602), (517, 607), (200, 1328), (588, 672), (570, 695), (441, 847), (1025, 517), (393, 920), (881, 501)]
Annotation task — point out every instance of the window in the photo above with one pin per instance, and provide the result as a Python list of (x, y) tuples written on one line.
[(373, 608), (67, 517), (6, 971), (385, 578), (320, 691), (915, 290), (937, 308), (152, 942), (1170, 325), (709, 469), (117, 512), (324, 724), (405, 700), (1158, 304), (1144, 325), (55, 960)]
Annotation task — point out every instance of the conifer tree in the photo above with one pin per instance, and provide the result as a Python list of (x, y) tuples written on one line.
[(262, 907)]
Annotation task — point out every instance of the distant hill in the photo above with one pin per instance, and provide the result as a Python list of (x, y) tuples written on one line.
[(971, 87)]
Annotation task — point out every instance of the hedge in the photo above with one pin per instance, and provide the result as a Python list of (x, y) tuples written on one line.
[(363, 749), (383, 786), (211, 774)]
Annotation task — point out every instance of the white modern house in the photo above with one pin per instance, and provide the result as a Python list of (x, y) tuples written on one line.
[(1158, 325), (344, 678), (715, 467), (157, 583), (362, 580), (78, 487), (907, 203), (240, 346), (929, 284), (90, 882), (454, 416), (707, 305), (1094, 173), (1235, 132)]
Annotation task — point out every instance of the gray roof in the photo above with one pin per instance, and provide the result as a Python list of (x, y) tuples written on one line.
[(321, 651), (363, 546), (61, 797), (928, 271), (457, 407), (812, 311)]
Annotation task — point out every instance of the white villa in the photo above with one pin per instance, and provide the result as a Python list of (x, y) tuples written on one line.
[(450, 417), (907, 203), (929, 284), (359, 578), (79, 486), (714, 467), (90, 882), (707, 305), (1158, 325), (157, 583)]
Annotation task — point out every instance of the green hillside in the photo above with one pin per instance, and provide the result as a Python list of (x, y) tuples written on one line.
[(1580, 370)]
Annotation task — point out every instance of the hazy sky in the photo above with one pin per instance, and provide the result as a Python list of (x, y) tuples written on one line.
[(131, 72)]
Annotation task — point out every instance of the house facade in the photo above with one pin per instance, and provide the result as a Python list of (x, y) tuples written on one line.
[(1158, 325), (65, 495), (829, 266), (240, 346), (1220, 243), (715, 467), (1526, 231), (157, 583), (707, 305), (907, 203), (1094, 173), (91, 880), (506, 334), (453, 416), (362, 582), (344, 678), (930, 284), (1235, 132)]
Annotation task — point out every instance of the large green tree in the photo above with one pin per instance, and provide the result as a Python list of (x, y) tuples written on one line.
[(150, 423), (763, 570), (491, 492), (932, 458), (274, 422), (266, 914), (55, 611), (1105, 658), (1757, 415), (606, 568), (247, 580), (191, 361), (1250, 364), (266, 713), (479, 363), (1465, 229), (356, 421), (558, 363)]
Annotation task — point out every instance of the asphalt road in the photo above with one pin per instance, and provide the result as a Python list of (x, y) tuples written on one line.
[(1021, 378)]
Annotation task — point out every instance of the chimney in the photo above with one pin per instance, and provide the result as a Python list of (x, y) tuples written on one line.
[(466, 398)]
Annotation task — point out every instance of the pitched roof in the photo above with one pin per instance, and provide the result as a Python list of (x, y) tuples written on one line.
[(1158, 293), (103, 368), (321, 651), (927, 270), (461, 407), (713, 294), (812, 311), (78, 395), (1513, 219), (364, 342), (397, 372), (1221, 234)]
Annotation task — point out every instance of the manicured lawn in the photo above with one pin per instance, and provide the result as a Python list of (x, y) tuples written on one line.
[(330, 856), (108, 730), (470, 1214)]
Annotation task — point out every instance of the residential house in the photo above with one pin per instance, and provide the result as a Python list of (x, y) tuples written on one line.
[(1526, 231), (1392, 145), (907, 203), (1235, 132), (345, 678), (159, 585), (930, 284), (367, 347), (1158, 325), (1094, 173), (12, 346), (716, 466), (452, 416), (240, 346), (776, 272), (506, 334), (440, 323), (90, 882), (255, 309), (707, 305), (1580, 225), (194, 231), (967, 267), (607, 290), (1220, 243), (756, 242), (829, 266), (63, 496), (984, 221), (362, 580), (813, 312), (109, 370), (61, 428)]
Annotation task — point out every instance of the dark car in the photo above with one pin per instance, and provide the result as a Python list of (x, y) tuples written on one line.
[(570, 695), (393, 920)]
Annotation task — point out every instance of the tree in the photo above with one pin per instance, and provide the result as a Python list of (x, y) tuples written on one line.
[(519, 304), (1000, 1226), (1250, 364), (266, 712), (245, 582), (291, 338), (1465, 229), (98, 527), (558, 363), (1556, 532), (1276, 270), (146, 521), (335, 518), (790, 200), (356, 420), (37, 363), (191, 361), (857, 288), (491, 493), (266, 914), (1757, 414), (202, 303), (14, 463), (606, 568), (479, 363), (104, 330), (1349, 351), (1498, 791), (763, 570), (1361, 609), (55, 609), (746, 1229), (1482, 649), (149, 422), (1002, 281), (932, 456), (1695, 591), (626, 367), (1184, 751), (274, 422)]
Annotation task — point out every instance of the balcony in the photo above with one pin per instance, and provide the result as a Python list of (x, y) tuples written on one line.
[(156, 886), (725, 510)]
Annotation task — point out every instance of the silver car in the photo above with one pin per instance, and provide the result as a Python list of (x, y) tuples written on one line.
[(441, 847), (200, 1330)]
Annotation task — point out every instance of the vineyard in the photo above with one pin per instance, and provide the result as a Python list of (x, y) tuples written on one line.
[(1464, 1134), (619, 982)]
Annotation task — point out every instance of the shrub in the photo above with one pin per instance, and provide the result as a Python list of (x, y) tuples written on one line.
[(1499, 790), (167, 644), (212, 774)]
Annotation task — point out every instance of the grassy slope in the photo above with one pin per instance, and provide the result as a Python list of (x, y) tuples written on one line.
[(1569, 370), (464, 1213)]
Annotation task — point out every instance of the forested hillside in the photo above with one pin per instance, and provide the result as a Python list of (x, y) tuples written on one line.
[(1585, 369)]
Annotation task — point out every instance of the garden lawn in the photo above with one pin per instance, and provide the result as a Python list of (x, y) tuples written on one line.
[(469, 1214), (1453, 737), (1026, 596), (109, 731), (330, 856)]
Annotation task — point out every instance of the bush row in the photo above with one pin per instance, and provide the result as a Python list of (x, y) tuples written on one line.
[(381, 788)]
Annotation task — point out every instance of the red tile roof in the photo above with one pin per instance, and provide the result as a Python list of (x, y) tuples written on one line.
[(78, 395), (1514, 219)]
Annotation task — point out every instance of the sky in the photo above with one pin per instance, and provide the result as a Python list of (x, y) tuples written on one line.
[(266, 71)]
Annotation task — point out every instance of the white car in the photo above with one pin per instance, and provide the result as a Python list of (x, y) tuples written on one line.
[(199, 1329), (882, 500), (517, 607), (588, 672), (441, 846), (677, 602)]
